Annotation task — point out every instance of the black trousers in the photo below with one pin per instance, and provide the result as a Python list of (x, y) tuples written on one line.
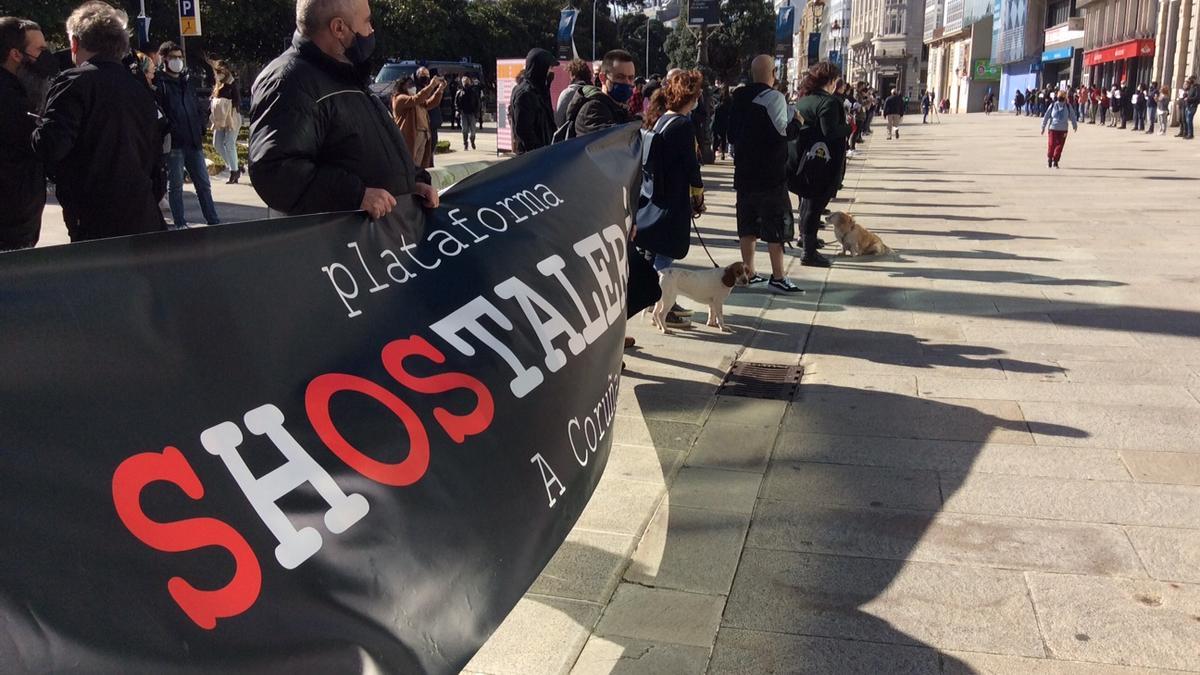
[(810, 218)]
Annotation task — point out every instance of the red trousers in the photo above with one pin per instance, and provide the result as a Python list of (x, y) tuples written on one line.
[(1056, 141)]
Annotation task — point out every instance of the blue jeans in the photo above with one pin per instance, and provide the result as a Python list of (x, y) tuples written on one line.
[(1189, 121), (193, 160), (225, 141)]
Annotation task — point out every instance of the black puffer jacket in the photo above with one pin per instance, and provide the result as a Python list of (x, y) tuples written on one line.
[(319, 138), (181, 104)]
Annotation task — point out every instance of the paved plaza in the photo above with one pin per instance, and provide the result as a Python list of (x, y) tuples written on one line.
[(993, 465)]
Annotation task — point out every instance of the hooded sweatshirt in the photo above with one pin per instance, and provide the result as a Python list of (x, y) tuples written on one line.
[(532, 114)]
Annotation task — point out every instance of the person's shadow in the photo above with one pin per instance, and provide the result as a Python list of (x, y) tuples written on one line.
[(800, 599)]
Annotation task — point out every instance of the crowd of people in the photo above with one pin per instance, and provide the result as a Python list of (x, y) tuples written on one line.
[(1144, 107), (115, 133), (319, 141)]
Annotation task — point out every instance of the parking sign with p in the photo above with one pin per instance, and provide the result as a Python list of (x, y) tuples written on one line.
[(189, 18)]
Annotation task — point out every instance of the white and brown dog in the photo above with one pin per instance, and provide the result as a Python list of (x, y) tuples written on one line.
[(854, 238), (708, 286)]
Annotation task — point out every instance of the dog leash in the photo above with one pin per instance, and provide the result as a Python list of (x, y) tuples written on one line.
[(696, 227)]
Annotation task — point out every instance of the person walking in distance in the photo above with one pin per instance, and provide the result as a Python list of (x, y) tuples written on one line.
[(532, 115), (226, 116), (893, 109), (469, 102), (927, 104), (1058, 117), (25, 56), (181, 105), (320, 140), (99, 137)]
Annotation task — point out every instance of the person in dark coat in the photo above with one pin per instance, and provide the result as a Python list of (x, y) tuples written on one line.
[(818, 106), (99, 137), (594, 109), (22, 180), (181, 104), (532, 114), (319, 140), (720, 127), (678, 188), (678, 194), (581, 76)]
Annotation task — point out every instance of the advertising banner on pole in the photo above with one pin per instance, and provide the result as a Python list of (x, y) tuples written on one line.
[(814, 47), (785, 27), (189, 18), (566, 34), (704, 12), (322, 444)]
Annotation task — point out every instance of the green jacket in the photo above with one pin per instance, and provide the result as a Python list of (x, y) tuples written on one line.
[(827, 110)]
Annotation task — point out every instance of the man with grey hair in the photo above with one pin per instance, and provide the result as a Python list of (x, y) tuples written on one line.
[(99, 137), (320, 141)]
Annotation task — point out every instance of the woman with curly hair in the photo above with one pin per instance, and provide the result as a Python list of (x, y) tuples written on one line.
[(674, 166)]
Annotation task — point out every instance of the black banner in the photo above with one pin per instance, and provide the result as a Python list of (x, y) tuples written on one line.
[(318, 444)]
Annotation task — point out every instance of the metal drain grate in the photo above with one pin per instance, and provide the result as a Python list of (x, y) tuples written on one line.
[(761, 380)]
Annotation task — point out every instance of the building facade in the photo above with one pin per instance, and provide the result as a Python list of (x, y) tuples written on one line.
[(1177, 41), (1018, 48), (885, 44), (958, 35), (1119, 41)]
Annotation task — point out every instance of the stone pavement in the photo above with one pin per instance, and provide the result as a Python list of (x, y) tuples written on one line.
[(993, 465)]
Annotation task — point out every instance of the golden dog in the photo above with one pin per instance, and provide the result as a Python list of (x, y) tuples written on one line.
[(854, 238)]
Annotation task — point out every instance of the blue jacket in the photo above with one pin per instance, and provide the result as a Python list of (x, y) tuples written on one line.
[(1058, 115), (181, 104)]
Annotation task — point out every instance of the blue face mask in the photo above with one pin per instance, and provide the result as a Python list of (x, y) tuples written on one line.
[(621, 92)]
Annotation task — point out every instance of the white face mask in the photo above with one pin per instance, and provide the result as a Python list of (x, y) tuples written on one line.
[(412, 91), (175, 65)]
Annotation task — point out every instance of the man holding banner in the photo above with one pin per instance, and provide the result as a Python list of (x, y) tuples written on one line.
[(319, 140)]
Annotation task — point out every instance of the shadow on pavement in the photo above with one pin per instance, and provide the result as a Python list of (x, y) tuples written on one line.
[(991, 276), (969, 235)]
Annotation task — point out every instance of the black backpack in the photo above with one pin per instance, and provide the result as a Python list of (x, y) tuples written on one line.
[(810, 168), (566, 131)]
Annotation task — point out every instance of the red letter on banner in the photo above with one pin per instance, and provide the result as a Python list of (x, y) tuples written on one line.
[(400, 474), (202, 607), (458, 427)]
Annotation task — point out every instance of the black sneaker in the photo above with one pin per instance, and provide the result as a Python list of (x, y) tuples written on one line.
[(681, 312), (816, 260), (1056, 163), (674, 321), (756, 280), (1049, 163), (785, 285)]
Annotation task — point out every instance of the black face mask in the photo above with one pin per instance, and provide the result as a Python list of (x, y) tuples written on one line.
[(43, 66), (361, 49), (422, 82)]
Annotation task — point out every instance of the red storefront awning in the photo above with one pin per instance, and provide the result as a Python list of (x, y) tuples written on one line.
[(1119, 52)]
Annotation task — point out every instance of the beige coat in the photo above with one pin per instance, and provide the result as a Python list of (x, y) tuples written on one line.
[(411, 113)]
